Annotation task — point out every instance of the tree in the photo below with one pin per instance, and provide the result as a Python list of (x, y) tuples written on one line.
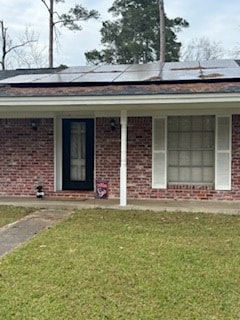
[(162, 32), (134, 35), (7, 45), (202, 49), (32, 55), (70, 20)]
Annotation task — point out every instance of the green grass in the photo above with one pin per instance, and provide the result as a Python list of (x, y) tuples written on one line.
[(126, 265), (9, 214)]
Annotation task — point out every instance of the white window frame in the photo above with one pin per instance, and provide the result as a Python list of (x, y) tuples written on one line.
[(228, 178)]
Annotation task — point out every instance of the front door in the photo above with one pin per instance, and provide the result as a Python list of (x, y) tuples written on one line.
[(78, 154)]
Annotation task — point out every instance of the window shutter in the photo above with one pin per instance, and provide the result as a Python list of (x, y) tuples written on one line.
[(159, 172), (223, 153)]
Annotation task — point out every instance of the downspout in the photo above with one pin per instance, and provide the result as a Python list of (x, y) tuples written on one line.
[(123, 168)]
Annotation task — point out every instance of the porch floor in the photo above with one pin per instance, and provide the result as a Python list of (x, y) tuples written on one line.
[(226, 207)]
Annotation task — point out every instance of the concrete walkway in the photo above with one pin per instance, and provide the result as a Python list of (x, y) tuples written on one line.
[(15, 234), (51, 211), (226, 207)]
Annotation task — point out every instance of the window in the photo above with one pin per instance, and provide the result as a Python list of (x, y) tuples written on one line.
[(190, 147), (192, 150), (78, 151)]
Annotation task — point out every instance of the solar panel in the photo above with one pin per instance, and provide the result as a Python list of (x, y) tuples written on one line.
[(181, 75), (225, 63), (181, 66), (80, 69), (24, 78), (227, 73), (59, 78), (112, 68), (170, 71), (138, 76), (97, 77), (156, 66)]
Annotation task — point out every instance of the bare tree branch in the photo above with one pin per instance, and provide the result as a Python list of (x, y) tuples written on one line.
[(7, 44), (44, 2), (202, 49), (31, 56), (69, 20), (19, 46)]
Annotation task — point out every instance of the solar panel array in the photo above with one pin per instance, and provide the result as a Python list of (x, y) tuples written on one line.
[(170, 71)]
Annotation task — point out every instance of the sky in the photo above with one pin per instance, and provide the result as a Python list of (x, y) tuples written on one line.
[(217, 20)]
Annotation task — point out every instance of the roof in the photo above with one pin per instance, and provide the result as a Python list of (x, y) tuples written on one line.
[(152, 78)]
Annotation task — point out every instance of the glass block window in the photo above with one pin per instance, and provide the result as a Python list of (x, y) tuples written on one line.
[(191, 149)]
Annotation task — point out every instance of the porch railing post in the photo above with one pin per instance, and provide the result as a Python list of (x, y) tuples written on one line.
[(123, 168)]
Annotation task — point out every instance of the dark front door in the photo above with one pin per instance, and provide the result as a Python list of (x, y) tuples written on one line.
[(78, 154)]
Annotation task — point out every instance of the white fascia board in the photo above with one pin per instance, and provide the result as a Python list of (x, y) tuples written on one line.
[(119, 100), (46, 106)]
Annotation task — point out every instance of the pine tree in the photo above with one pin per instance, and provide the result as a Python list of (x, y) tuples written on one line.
[(70, 20), (134, 35)]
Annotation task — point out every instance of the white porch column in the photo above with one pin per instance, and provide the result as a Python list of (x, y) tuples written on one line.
[(123, 168)]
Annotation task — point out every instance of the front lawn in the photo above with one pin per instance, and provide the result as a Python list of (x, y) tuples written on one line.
[(127, 265), (9, 214)]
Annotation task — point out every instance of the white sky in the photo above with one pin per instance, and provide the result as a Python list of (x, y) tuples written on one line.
[(218, 20)]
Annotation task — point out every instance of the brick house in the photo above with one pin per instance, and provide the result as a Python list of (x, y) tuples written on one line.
[(152, 131)]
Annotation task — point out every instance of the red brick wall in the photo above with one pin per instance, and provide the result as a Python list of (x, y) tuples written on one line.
[(27, 159), (108, 154), (139, 164), (26, 156)]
